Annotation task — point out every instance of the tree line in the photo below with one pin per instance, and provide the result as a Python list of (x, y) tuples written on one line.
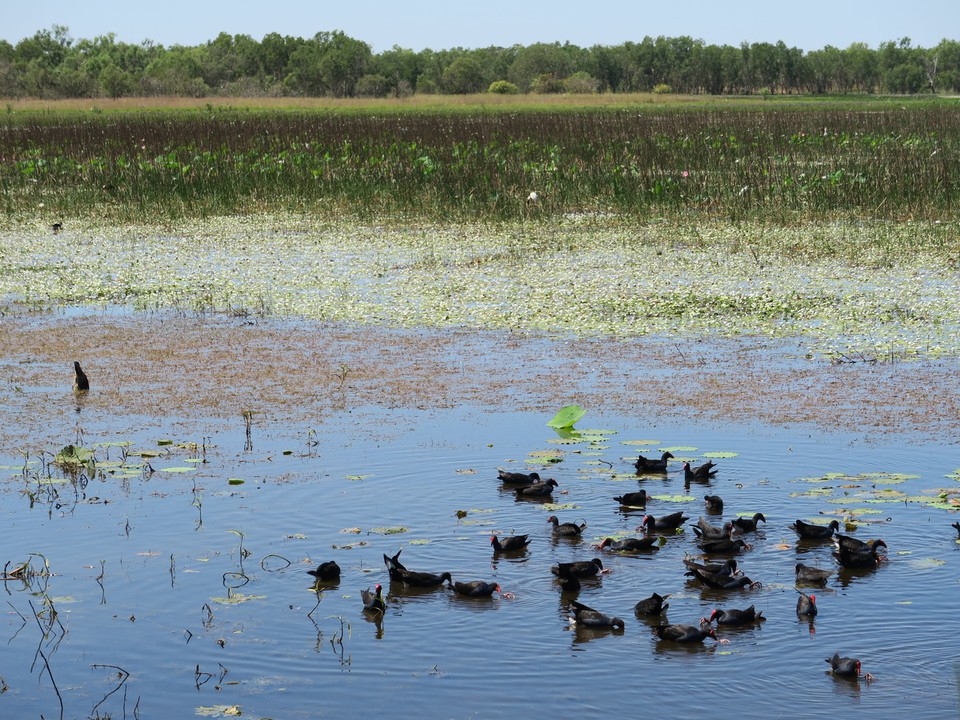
[(52, 64)]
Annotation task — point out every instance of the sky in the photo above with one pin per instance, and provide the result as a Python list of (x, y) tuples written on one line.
[(445, 24)]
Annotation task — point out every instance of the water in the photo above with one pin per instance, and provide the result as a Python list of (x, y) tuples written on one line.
[(169, 545)]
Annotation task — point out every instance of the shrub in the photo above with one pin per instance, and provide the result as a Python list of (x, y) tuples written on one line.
[(581, 83), (547, 83), (372, 86), (503, 87), (662, 89)]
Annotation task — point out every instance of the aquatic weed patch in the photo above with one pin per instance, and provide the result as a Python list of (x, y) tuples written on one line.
[(881, 293)]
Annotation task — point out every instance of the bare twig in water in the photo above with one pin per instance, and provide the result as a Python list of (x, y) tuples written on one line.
[(122, 676)]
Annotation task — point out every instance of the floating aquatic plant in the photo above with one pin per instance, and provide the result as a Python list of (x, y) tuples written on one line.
[(566, 417)]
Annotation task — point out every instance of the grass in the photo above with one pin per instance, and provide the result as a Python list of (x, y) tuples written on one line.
[(791, 162)]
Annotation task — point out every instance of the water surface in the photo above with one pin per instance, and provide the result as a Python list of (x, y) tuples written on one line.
[(170, 543)]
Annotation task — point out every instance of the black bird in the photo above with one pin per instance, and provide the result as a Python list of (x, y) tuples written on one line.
[(579, 569), (808, 574), (702, 472), (634, 499), (422, 579), (727, 568), (518, 479), (722, 545), (812, 531), (736, 617), (373, 601), (326, 572), (846, 542), (509, 543), (844, 666), (714, 504), (957, 526), (685, 633), (867, 558), (653, 605), (588, 617), (566, 529), (476, 588), (666, 523), (630, 544), (806, 605), (394, 566), (538, 489), (749, 524), (56, 227), (80, 382), (722, 582), (704, 529), (645, 465)]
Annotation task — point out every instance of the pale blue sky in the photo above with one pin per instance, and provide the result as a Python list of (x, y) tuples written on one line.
[(443, 24)]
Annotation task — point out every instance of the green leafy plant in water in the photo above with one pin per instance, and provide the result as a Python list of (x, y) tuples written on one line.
[(567, 417)]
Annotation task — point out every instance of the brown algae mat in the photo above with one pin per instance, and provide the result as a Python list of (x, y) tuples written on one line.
[(199, 374)]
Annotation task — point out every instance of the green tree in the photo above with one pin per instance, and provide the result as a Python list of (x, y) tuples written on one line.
[(538, 61), (462, 76)]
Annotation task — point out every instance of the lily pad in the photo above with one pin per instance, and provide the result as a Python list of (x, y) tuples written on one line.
[(218, 711), (556, 507), (237, 598), (388, 530), (720, 454), (179, 469), (567, 417), (678, 448), (640, 442), (674, 498)]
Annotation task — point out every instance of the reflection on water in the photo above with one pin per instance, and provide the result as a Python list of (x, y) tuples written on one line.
[(179, 575)]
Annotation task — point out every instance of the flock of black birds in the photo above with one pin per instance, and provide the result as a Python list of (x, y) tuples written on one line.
[(709, 571)]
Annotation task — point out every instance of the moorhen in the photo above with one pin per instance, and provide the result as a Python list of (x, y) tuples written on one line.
[(808, 574), (373, 601), (645, 465), (749, 524), (726, 568), (326, 572), (634, 499), (476, 588), (812, 531), (537, 490), (393, 564), (579, 569), (702, 472), (653, 605), (80, 382), (736, 617), (422, 579), (667, 523), (509, 543), (685, 633), (714, 504), (704, 529), (630, 544), (566, 529), (844, 666), (518, 479), (588, 617), (722, 545), (806, 605)]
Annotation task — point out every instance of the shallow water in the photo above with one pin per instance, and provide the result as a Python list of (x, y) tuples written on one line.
[(167, 540)]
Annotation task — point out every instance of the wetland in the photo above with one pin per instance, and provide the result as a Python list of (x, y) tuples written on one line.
[(272, 390)]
